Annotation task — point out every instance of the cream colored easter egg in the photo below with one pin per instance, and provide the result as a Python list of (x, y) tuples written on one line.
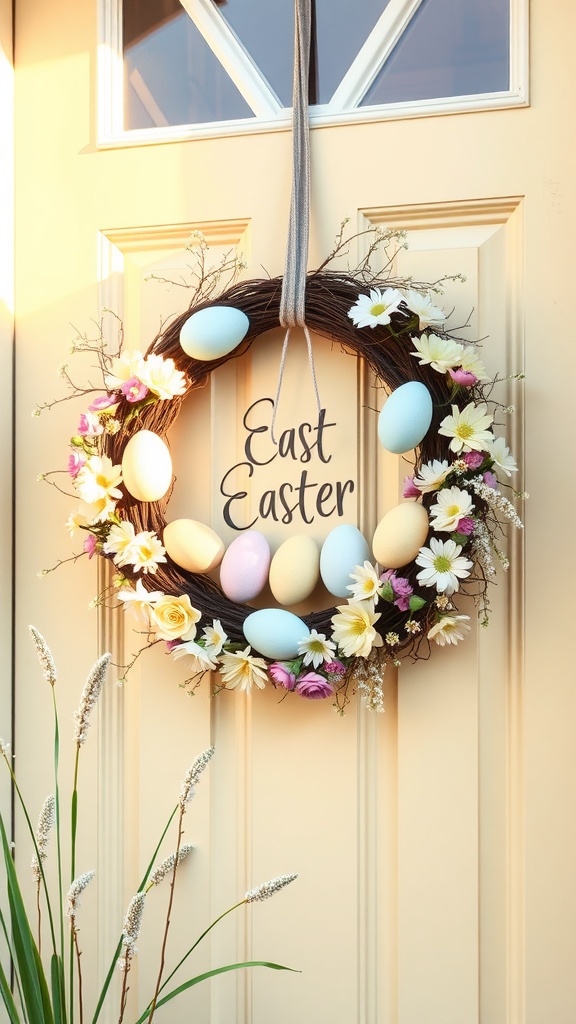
[(146, 466), (400, 534), (193, 545), (294, 570)]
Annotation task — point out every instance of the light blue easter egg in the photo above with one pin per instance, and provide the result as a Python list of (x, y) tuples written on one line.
[(405, 418), (343, 549), (213, 332), (275, 633)]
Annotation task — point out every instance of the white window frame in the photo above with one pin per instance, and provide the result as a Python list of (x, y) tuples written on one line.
[(269, 114)]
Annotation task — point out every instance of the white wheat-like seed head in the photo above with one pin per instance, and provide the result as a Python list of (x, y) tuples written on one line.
[(44, 655), (192, 776), (268, 889), (89, 698)]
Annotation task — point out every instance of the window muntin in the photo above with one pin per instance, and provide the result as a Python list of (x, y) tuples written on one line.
[(394, 74)]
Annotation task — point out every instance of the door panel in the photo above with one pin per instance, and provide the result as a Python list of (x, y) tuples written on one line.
[(421, 836)]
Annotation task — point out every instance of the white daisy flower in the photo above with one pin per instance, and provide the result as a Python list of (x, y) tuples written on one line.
[(161, 377), (367, 582), (202, 658), (126, 366), (443, 565), (472, 363), (432, 476), (468, 428), (449, 630), (119, 540), (376, 308), (76, 520), (428, 314), (316, 648), (139, 601), (145, 552), (452, 504), (441, 353), (244, 670), (215, 638), (98, 511), (354, 629), (98, 479), (502, 457)]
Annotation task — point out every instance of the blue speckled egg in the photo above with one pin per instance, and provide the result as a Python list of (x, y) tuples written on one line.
[(405, 418), (213, 332), (275, 633), (343, 549)]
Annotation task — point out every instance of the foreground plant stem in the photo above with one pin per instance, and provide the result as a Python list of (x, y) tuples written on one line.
[(169, 911)]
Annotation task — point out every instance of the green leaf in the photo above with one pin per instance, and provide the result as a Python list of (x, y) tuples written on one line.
[(212, 974), (460, 538), (57, 979), (8, 998), (416, 603), (28, 964), (386, 592)]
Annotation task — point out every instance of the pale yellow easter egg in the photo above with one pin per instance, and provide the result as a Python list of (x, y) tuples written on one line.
[(146, 466), (193, 545), (294, 570), (400, 534)]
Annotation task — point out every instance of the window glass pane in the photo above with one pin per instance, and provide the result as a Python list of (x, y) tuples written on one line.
[(171, 75), (266, 28), (450, 48)]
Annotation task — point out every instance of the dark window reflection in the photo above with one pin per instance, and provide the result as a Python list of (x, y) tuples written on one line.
[(171, 75), (266, 28), (450, 48)]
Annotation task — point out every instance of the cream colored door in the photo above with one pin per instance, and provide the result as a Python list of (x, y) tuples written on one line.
[(435, 843)]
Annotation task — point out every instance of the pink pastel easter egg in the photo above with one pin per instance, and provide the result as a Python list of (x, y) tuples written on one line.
[(244, 568)]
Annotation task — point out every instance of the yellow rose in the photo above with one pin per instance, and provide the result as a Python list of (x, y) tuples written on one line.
[(174, 618)]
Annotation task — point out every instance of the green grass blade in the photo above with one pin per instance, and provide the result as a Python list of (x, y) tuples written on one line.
[(27, 959), (11, 954), (8, 998), (212, 974), (57, 980)]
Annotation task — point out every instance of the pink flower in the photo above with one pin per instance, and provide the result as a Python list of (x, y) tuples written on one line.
[(465, 378), (473, 459), (334, 668), (465, 525), (89, 425), (490, 479), (134, 390), (171, 644), (401, 588), (403, 592), (281, 674), (75, 462), (314, 686), (103, 402), (90, 544), (410, 490)]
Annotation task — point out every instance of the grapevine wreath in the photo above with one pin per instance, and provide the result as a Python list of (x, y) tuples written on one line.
[(406, 609)]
